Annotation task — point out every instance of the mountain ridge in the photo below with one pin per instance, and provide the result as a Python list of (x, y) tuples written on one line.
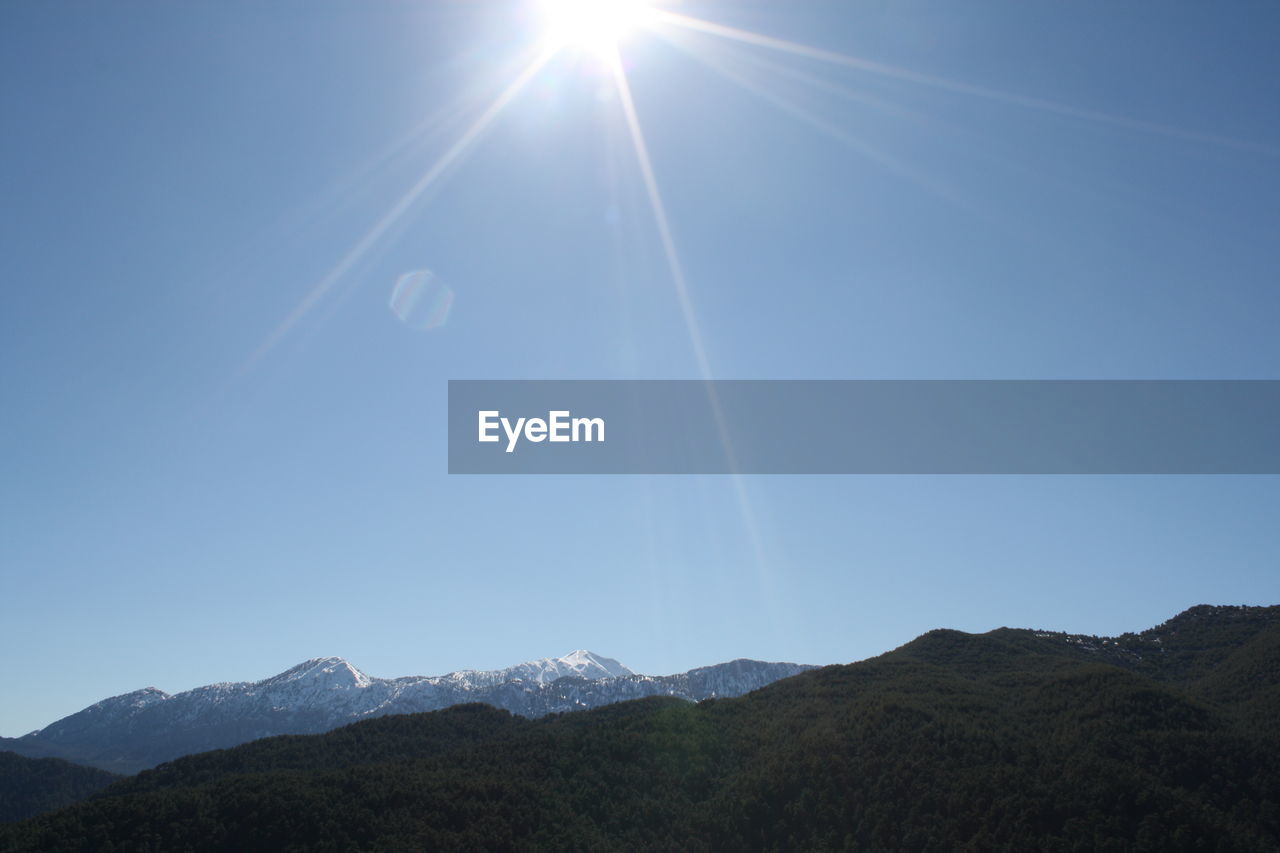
[(1009, 740), (142, 728)]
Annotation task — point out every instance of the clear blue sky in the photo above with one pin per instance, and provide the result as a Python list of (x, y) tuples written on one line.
[(190, 494)]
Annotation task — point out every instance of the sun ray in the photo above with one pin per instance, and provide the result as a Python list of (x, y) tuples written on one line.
[(863, 147), (450, 158), (659, 214), (745, 509), (933, 81), (771, 68)]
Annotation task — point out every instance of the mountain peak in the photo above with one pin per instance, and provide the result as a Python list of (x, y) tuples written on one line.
[(134, 699), (1204, 617), (147, 727), (588, 664), (329, 672)]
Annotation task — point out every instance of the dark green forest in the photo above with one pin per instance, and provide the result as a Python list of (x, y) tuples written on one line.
[(1013, 740), (29, 786)]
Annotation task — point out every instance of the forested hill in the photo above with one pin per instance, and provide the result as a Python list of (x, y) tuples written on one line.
[(29, 786), (1012, 740)]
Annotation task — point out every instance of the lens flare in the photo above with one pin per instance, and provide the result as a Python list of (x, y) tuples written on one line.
[(421, 300)]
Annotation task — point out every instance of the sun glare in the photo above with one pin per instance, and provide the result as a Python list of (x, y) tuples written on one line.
[(592, 25)]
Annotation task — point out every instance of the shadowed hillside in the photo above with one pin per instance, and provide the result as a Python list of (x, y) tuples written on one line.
[(30, 786)]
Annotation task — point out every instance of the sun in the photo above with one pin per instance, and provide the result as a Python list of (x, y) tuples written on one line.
[(592, 25)]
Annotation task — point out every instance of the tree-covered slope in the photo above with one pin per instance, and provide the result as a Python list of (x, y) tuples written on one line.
[(30, 786), (1012, 740)]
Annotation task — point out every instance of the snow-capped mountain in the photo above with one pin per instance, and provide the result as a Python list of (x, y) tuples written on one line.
[(580, 663), (146, 727)]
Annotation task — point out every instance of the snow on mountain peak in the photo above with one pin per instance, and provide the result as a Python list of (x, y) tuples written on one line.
[(149, 726), (586, 664), (580, 664), (331, 672)]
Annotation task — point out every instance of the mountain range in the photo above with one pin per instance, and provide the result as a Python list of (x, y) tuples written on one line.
[(1012, 740), (128, 733)]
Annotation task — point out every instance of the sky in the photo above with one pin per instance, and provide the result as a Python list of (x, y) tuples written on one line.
[(222, 448)]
